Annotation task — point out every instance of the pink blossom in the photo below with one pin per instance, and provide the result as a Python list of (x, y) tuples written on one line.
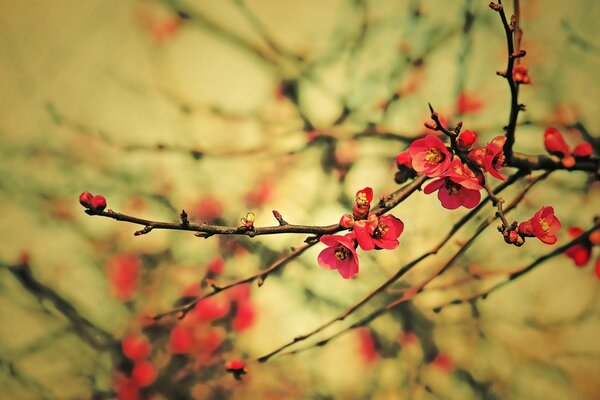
[(544, 225), (429, 156), (457, 187), (340, 254), (362, 203), (491, 157), (387, 232), (363, 231)]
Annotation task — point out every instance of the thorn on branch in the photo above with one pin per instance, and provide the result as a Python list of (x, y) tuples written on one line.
[(279, 218), (184, 218), (501, 73), (147, 229)]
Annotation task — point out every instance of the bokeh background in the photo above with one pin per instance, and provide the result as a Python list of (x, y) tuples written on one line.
[(222, 108)]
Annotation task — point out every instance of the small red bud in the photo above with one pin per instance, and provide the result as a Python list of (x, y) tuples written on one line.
[(143, 373), (85, 199), (466, 139), (98, 203), (347, 221), (236, 367)]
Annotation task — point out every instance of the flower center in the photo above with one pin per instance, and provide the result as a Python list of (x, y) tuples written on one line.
[(361, 199), (434, 156), (544, 224), (340, 253), (380, 231), (452, 187)]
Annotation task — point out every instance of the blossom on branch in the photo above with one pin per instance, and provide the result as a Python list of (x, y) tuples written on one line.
[(491, 157), (430, 156), (387, 232), (340, 255), (544, 225), (457, 187), (555, 144), (521, 74), (362, 204)]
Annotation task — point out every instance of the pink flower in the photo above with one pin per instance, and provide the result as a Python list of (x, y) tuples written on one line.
[(363, 231), (555, 144), (457, 187), (491, 157), (520, 74), (362, 203), (404, 159), (340, 255), (579, 253), (387, 232), (544, 225), (429, 156)]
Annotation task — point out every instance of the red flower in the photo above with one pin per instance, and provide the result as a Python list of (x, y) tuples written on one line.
[(347, 221), (209, 309), (387, 232), (466, 139), (236, 367), (520, 74), (362, 203), (180, 340), (123, 274), (444, 362), (555, 144), (98, 203), (340, 255), (457, 187), (126, 388), (136, 347), (368, 346), (244, 316), (544, 225), (143, 373), (579, 253), (468, 104), (491, 157), (404, 159), (429, 156), (363, 231)]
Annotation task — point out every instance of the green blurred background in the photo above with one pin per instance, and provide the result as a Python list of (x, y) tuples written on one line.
[(235, 106)]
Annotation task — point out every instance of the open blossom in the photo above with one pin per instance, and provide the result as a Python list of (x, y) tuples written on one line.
[(544, 225), (582, 252), (457, 187), (362, 203), (429, 156), (363, 230), (491, 157), (387, 232), (340, 254)]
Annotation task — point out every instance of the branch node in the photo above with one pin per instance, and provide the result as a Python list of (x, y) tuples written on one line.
[(279, 218), (496, 7), (184, 219)]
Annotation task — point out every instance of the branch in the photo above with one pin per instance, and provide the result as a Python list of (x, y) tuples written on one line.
[(410, 292), (401, 272)]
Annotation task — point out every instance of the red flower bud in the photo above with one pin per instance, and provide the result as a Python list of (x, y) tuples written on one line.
[(85, 199), (136, 347), (347, 221), (466, 139), (143, 373), (583, 149), (98, 203)]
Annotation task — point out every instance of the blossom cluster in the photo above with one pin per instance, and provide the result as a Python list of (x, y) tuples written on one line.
[(369, 232)]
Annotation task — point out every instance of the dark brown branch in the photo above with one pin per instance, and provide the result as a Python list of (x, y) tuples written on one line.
[(401, 272), (410, 292)]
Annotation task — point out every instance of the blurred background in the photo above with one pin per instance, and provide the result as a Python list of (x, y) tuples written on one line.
[(223, 108)]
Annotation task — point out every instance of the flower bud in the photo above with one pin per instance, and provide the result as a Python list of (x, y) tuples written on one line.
[(98, 203), (583, 149), (85, 199), (466, 139), (347, 221)]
